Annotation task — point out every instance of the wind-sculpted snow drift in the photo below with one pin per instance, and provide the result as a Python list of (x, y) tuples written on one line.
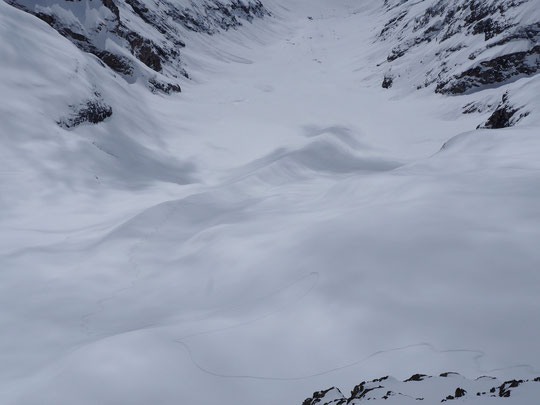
[(465, 46), (284, 223)]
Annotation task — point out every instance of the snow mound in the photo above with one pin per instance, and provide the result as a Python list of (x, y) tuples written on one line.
[(324, 154)]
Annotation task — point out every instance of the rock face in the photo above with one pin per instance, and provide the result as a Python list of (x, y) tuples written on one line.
[(493, 71), (462, 46), (387, 82), (138, 40), (505, 115), (93, 111), (430, 389), (140, 37)]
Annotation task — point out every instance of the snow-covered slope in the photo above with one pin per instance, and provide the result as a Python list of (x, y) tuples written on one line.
[(282, 225), (462, 47), (140, 38)]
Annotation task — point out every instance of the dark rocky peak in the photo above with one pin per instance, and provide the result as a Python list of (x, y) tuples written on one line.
[(93, 110), (331, 396), (505, 115)]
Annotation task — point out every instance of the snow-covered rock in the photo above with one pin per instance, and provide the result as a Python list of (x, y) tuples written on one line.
[(462, 46), (445, 387), (140, 37)]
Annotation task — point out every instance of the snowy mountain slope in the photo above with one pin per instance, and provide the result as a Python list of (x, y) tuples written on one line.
[(282, 225), (463, 46), (438, 389), (460, 47), (49, 83), (137, 38)]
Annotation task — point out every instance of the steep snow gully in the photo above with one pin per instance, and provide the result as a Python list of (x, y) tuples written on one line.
[(219, 203)]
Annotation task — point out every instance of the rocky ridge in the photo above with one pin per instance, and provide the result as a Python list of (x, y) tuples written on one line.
[(431, 389), (460, 47), (140, 38), (465, 45)]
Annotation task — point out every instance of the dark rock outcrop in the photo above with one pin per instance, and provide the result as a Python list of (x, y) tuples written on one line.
[(330, 396), (505, 389), (416, 377), (167, 88), (460, 392), (448, 373), (387, 82), (382, 389), (504, 116), (93, 111), (120, 64), (501, 118), (360, 391)]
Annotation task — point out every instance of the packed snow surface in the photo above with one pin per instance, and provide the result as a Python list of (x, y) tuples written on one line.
[(282, 225)]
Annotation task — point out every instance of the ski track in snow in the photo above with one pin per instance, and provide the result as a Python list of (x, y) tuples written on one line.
[(134, 266)]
